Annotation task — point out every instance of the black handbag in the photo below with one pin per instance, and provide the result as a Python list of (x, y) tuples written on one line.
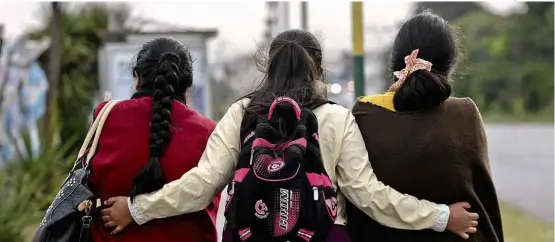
[(69, 217)]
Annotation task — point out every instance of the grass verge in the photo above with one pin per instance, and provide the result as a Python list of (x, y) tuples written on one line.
[(519, 226)]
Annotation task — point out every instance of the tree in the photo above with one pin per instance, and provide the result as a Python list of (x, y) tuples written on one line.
[(81, 31), (481, 72), (53, 63), (531, 39), (508, 63)]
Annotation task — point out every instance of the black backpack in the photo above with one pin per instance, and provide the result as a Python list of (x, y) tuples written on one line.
[(280, 191)]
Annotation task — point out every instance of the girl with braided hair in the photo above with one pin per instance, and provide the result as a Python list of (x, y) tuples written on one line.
[(152, 139)]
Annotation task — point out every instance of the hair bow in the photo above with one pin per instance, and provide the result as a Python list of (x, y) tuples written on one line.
[(412, 64)]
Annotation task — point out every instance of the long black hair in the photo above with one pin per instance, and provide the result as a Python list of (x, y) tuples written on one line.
[(164, 69), (294, 65), (436, 42)]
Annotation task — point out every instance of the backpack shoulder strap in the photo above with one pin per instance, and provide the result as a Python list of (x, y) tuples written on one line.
[(248, 125)]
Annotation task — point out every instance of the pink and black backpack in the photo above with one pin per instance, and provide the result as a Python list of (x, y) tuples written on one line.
[(280, 191)]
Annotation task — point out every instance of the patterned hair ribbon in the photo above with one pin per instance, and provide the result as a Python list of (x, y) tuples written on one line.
[(412, 64)]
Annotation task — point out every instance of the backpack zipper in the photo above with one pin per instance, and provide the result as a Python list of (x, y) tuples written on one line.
[(252, 156), (315, 189)]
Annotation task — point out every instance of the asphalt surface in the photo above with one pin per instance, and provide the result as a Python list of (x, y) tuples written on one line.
[(521, 158)]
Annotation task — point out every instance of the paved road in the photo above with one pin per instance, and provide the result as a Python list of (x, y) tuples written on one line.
[(521, 158)]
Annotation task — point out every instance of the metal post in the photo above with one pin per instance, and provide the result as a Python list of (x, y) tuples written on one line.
[(304, 15), (358, 47)]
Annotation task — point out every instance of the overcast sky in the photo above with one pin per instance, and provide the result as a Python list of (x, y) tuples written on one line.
[(241, 23)]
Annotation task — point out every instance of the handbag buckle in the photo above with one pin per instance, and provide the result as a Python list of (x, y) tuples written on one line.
[(87, 221), (86, 207)]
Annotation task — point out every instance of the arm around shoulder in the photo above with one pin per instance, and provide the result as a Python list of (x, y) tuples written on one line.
[(196, 188), (384, 204)]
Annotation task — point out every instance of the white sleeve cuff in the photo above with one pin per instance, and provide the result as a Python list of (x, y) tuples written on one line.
[(137, 215), (442, 218)]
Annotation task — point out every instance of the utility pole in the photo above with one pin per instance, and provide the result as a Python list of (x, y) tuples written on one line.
[(358, 47), (304, 15), (54, 64)]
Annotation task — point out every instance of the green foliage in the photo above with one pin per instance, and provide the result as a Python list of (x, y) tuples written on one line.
[(27, 187), (82, 28), (519, 226), (508, 64)]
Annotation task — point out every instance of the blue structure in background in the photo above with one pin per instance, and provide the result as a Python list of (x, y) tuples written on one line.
[(23, 103), (34, 93), (196, 99)]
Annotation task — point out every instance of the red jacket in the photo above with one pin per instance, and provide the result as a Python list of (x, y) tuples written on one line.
[(123, 150)]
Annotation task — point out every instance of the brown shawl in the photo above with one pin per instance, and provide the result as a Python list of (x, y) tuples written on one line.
[(440, 155)]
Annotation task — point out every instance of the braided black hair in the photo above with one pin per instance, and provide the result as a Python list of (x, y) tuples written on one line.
[(172, 76)]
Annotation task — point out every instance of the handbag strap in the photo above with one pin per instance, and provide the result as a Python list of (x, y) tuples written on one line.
[(94, 134), (94, 144), (91, 132)]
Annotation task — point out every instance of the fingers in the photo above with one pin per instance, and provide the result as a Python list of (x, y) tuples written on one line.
[(465, 205), (473, 216), (106, 211), (111, 201), (117, 230), (110, 224), (464, 235), (111, 217), (470, 230)]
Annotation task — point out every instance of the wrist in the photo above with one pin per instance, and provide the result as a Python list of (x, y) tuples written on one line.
[(441, 218), (135, 212)]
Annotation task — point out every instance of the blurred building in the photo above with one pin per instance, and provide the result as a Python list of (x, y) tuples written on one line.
[(117, 56), (277, 19)]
